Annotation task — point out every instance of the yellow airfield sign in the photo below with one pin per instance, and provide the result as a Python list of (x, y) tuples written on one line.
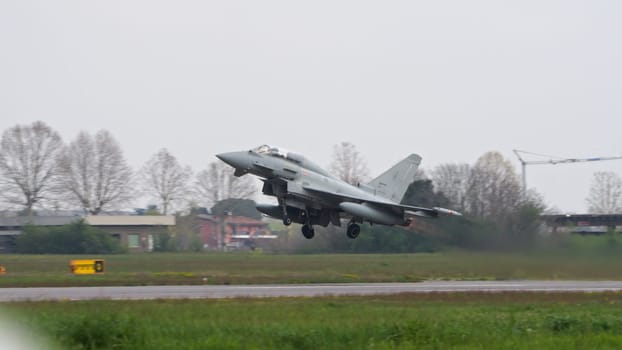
[(86, 266)]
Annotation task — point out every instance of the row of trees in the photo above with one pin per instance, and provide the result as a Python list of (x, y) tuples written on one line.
[(498, 212), (37, 169), (488, 189), (494, 178)]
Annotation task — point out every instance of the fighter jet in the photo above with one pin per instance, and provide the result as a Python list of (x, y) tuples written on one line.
[(309, 195)]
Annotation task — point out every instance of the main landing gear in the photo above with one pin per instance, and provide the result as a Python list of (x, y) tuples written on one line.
[(353, 230), (308, 231)]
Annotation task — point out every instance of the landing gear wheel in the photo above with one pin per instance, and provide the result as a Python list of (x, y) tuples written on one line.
[(308, 231), (287, 221), (353, 231)]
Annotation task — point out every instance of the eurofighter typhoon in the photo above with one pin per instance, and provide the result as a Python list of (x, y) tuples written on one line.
[(309, 195)]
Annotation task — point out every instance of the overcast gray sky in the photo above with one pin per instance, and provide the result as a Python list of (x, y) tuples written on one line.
[(449, 80)]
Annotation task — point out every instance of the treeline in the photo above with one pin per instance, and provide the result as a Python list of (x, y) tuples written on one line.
[(40, 170), (498, 212)]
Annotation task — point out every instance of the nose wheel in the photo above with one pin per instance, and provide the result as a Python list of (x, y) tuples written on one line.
[(286, 219), (353, 230), (308, 231)]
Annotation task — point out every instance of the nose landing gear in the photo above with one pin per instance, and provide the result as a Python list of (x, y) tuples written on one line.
[(287, 220), (307, 228)]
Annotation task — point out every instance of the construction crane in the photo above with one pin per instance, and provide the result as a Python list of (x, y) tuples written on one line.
[(524, 163)]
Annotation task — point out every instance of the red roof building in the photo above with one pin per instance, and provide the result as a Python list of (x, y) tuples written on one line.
[(230, 231)]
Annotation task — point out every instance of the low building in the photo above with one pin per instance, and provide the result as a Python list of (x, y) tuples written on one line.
[(134, 232), (583, 223)]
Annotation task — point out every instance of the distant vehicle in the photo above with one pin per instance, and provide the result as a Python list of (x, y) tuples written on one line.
[(309, 195)]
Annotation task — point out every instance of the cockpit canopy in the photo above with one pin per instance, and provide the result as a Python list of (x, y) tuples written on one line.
[(293, 157), (266, 149)]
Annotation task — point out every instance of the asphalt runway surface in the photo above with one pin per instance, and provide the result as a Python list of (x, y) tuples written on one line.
[(300, 290)]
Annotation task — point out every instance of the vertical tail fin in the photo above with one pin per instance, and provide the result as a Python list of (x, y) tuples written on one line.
[(393, 183)]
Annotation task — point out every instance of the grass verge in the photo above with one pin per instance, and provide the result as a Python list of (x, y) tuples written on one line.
[(423, 321), (248, 268)]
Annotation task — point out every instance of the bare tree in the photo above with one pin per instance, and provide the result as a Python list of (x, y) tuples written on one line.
[(28, 156), (420, 175), (605, 195), (453, 180), (217, 182), (164, 178), (94, 173), (348, 165), (493, 190)]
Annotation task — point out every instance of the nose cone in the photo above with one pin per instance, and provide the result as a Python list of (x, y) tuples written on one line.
[(238, 160)]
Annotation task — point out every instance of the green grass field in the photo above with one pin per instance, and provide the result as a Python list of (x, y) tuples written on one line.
[(423, 321), (249, 268)]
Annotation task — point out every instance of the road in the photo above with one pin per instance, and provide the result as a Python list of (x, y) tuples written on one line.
[(307, 290)]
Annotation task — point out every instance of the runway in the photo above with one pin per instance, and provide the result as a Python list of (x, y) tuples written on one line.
[(302, 290)]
